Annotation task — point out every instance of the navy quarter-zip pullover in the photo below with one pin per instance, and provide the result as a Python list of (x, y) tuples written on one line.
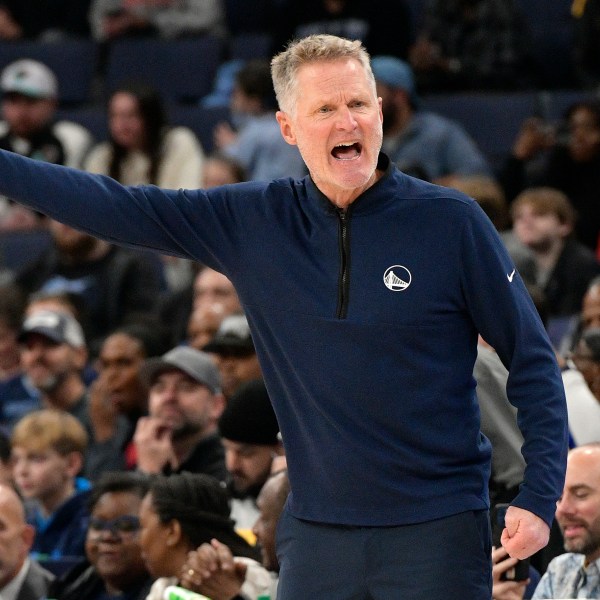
[(365, 323)]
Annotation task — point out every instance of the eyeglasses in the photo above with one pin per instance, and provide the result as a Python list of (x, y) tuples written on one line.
[(125, 526)]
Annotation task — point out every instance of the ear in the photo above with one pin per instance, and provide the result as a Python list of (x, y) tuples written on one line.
[(28, 535), (174, 534), (218, 406), (565, 229), (380, 104), (287, 129), (81, 357), (74, 461)]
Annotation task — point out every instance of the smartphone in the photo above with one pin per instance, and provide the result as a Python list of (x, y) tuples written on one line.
[(520, 571)]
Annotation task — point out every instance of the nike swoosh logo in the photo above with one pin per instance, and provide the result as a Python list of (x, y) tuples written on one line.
[(510, 277)]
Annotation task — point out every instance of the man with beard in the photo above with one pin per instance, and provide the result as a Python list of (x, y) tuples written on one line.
[(111, 286), (250, 431), (576, 574), (184, 405), (53, 355), (421, 143)]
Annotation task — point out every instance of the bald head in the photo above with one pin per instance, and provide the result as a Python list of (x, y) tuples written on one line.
[(578, 510), (16, 536)]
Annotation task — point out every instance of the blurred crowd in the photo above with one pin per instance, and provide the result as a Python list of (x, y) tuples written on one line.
[(138, 445)]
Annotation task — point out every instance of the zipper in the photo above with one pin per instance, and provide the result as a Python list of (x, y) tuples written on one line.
[(344, 277)]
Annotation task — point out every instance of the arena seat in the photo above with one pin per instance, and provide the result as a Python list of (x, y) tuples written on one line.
[(183, 69)]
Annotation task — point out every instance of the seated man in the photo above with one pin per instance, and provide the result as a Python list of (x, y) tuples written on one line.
[(21, 578), (212, 569), (575, 574)]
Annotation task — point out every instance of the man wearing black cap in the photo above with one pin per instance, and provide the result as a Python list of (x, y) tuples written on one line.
[(234, 353), (249, 431), (184, 403)]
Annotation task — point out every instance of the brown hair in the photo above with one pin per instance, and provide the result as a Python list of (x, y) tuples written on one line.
[(544, 200)]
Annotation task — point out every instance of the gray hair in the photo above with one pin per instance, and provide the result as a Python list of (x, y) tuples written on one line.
[(311, 49)]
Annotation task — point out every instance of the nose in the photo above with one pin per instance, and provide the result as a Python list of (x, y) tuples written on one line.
[(231, 461), (345, 119), (564, 506)]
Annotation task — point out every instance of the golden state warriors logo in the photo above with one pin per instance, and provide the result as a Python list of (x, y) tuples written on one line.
[(397, 278)]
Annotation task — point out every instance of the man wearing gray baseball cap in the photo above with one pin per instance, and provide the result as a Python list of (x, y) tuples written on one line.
[(184, 405)]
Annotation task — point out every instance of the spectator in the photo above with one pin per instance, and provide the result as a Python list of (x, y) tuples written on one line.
[(566, 157), (43, 20), (209, 289), (48, 449), (29, 102), (581, 378), (576, 574), (203, 325), (114, 565), (257, 143), (143, 148), (112, 19), (421, 142), (179, 514), (184, 404), (543, 221), (249, 431), (119, 396), (111, 286), (212, 287), (234, 354), (213, 570), (383, 26), (21, 577), (499, 425), (53, 355), (472, 44)]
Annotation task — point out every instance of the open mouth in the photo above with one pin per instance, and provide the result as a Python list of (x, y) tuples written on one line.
[(347, 151)]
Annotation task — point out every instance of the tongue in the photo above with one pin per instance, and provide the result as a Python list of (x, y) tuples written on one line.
[(345, 152)]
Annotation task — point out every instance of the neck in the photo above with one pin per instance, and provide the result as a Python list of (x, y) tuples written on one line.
[(345, 198), (50, 504), (184, 446), (545, 258)]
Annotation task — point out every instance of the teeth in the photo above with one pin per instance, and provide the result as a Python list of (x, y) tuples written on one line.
[(345, 145)]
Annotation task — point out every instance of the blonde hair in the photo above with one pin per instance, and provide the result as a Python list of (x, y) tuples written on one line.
[(311, 49), (50, 429)]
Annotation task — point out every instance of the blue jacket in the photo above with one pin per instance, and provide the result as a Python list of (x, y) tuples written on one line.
[(63, 533), (365, 324)]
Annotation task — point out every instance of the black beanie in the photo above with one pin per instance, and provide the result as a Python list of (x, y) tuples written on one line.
[(248, 417)]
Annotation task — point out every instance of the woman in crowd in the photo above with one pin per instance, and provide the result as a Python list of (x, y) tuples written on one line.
[(142, 148), (179, 514)]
